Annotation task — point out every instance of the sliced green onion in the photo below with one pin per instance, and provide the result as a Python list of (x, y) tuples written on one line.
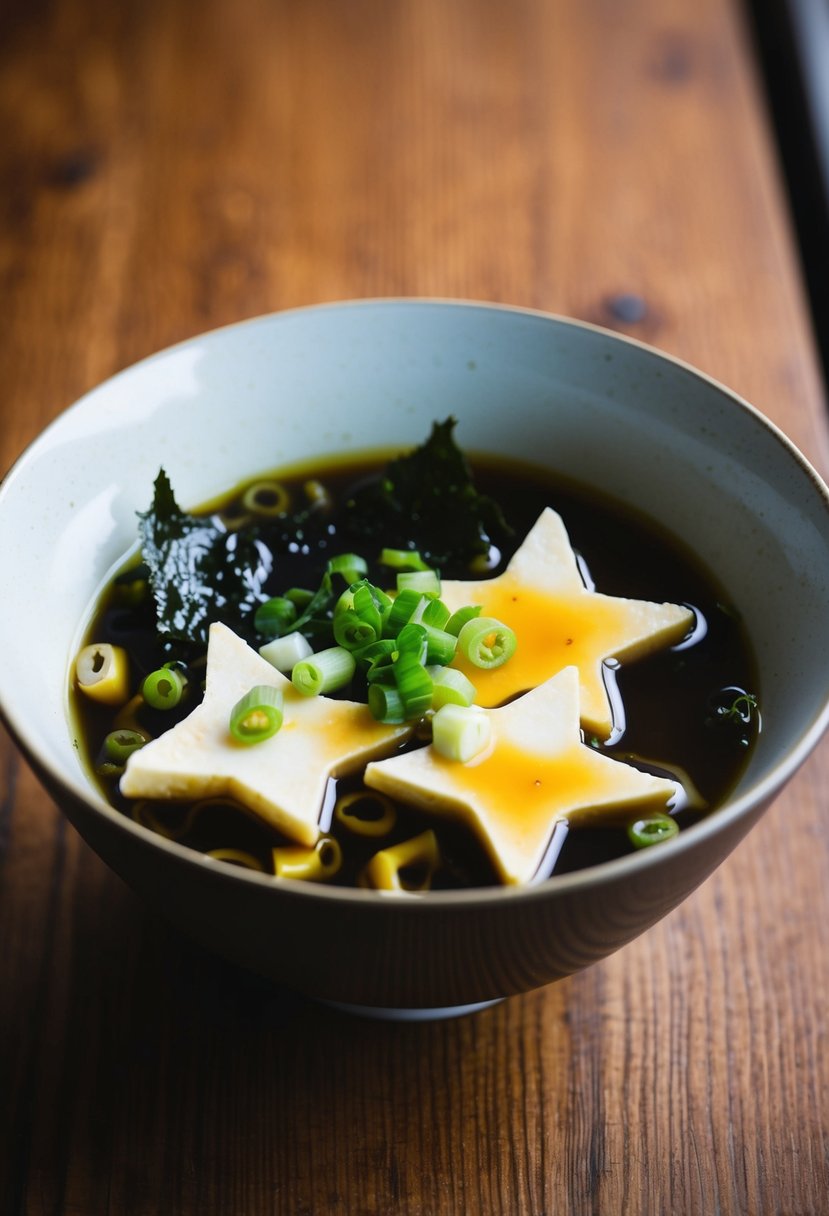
[(440, 645), (257, 716), (435, 613), (411, 640), (458, 619), (164, 688), (120, 744), (352, 632), (358, 615), (460, 732), (651, 829), (402, 559), (102, 672), (323, 672), (427, 582), (486, 643), (282, 653), (266, 498), (450, 687), (275, 616), (300, 597), (414, 684), (350, 565), (406, 606), (386, 704)]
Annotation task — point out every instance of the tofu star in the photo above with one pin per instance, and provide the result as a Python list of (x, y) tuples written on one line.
[(559, 622), (535, 772), (283, 779)]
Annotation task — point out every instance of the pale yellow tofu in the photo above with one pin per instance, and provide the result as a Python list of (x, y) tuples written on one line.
[(559, 623), (283, 779), (535, 772)]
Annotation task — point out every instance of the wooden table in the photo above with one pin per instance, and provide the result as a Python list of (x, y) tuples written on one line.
[(168, 166)]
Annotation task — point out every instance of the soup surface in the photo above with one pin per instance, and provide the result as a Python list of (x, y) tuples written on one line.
[(685, 712)]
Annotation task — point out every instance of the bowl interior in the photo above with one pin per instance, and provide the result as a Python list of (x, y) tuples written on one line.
[(274, 391)]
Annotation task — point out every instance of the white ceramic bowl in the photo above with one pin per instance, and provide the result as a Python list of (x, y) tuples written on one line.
[(271, 391)]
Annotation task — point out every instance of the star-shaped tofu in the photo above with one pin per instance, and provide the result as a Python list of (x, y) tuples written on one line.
[(559, 622), (534, 773), (283, 779)]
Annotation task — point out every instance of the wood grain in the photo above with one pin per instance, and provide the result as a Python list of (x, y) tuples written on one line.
[(170, 166)]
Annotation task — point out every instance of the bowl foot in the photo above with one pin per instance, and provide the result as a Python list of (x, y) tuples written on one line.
[(379, 1013)]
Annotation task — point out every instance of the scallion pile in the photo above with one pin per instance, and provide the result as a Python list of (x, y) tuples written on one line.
[(402, 642)]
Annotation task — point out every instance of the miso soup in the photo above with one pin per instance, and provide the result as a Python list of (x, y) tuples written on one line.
[(687, 711)]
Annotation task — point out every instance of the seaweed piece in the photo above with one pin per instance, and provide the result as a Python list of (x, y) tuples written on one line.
[(199, 572), (427, 499)]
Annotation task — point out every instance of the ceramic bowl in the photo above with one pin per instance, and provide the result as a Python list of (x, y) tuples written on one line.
[(271, 391)]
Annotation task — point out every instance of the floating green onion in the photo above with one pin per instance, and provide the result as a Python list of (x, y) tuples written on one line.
[(266, 498), (257, 716), (651, 829), (406, 606), (300, 597), (350, 565), (386, 704), (486, 643), (275, 616), (427, 582), (283, 653), (458, 619), (436, 614), (411, 640), (120, 744), (163, 688), (440, 645), (450, 687), (402, 559), (414, 684), (460, 732), (323, 672)]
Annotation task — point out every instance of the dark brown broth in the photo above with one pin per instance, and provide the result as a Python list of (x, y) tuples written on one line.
[(667, 697)]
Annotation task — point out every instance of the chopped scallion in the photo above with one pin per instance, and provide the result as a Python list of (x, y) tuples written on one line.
[(440, 645), (275, 616), (257, 716), (435, 613), (350, 565), (164, 688), (386, 704), (266, 499), (120, 744), (323, 672), (427, 582), (414, 684), (407, 606), (450, 687), (460, 732), (651, 829), (283, 653), (402, 559), (486, 642), (458, 619)]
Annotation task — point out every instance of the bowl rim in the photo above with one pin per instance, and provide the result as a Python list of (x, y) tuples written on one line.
[(761, 794)]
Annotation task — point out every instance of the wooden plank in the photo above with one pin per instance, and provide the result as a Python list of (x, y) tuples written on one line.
[(169, 167)]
